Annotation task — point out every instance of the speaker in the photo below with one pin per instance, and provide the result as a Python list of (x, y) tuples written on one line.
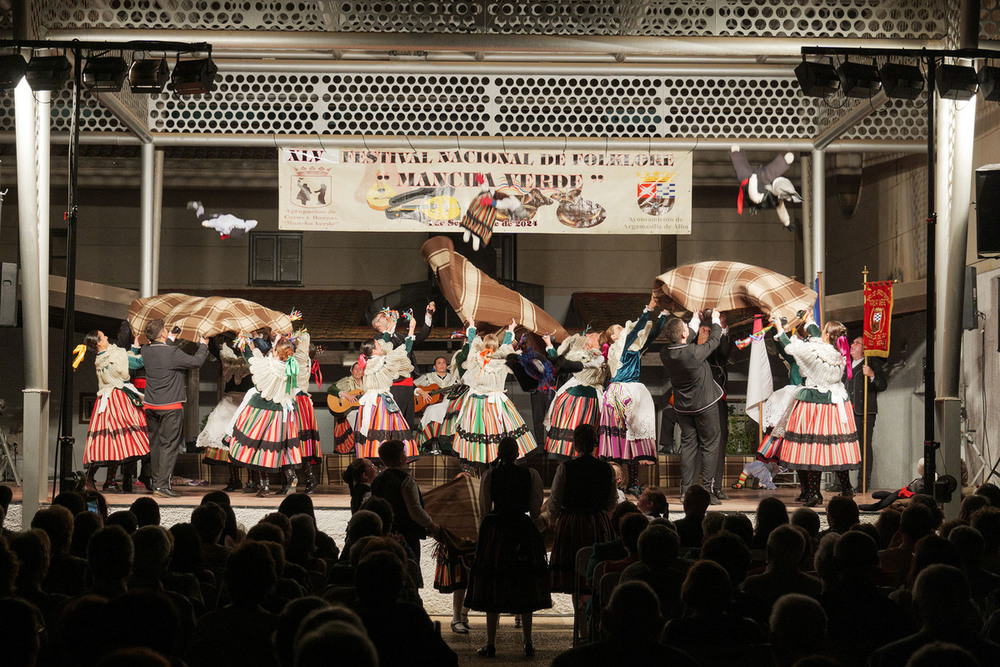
[(970, 304), (8, 294), (988, 211)]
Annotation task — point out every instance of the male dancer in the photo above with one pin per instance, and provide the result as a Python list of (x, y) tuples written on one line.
[(402, 388)]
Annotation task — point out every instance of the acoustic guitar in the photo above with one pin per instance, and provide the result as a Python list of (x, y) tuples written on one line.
[(380, 192), (338, 405), (435, 393)]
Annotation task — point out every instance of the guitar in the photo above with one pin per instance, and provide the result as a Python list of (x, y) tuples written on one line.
[(338, 405), (435, 392), (380, 192)]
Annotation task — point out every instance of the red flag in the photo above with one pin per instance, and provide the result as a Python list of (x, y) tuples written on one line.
[(878, 317)]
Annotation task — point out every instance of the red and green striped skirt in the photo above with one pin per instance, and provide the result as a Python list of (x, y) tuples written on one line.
[(308, 431), (816, 438), (214, 456), (116, 434), (483, 423), (343, 435), (567, 412), (385, 422), (265, 438)]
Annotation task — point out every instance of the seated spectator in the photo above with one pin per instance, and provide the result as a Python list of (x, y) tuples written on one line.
[(289, 621), (632, 623), (740, 525), (85, 524), (696, 501), (771, 513), (74, 502), (8, 569), (80, 632), (20, 632), (658, 549), (143, 619), (841, 514), (231, 534), (915, 522), (970, 505), (887, 524), (146, 511), (930, 549), (379, 579), (32, 551), (123, 518), (970, 546), (991, 492), (363, 523), (153, 547), (785, 546), (109, 561), (6, 495), (612, 549), (209, 522), (807, 519), (301, 551), (708, 630), (942, 653), (712, 524), (942, 600), (66, 573), (349, 643), (283, 522), (247, 628), (300, 503), (987, 522), (798, 629), (286, 588), (653, 502)]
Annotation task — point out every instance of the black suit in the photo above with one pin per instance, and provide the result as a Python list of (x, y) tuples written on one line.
[(402, 388), (856, 390), (695, 396)]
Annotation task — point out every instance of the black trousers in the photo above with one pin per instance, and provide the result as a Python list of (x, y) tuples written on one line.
[(701, 433), (403, 395), (869, 460), (166, 436)]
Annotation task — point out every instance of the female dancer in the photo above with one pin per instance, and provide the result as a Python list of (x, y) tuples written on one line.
[(265, 434), (821, 434), (509, 574), (236, 376), (628, 415), (578, 401), (380, 418), (487, 413), (305, 354), (117, 432)]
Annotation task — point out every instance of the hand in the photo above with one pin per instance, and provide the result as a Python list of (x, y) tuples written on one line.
[(413, 326), (350, 398), (868, 371), (548, 340), (431, 308), (722, 320), (512, 325), (716, 317), (652, 302), (422, 393), (472, 323), (203, 341), (699, 315), (435, 529)]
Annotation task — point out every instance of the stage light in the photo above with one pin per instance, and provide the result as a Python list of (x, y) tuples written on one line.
[(817, 79), (956, 82), (194, 77), (48, 72), (12, 69), (105, 74), (858, 80), (901, 82), (148, 76), (989, 82)]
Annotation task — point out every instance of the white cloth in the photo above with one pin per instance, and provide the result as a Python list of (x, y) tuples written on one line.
[(640, 412), (434, 414), (218, 424)]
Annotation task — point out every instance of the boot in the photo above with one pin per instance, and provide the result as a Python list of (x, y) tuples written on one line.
[(90, 484), (110, 484), (265, 487), (289, 480), (235, 484), (310, 478), (253, 481), (126, 480)]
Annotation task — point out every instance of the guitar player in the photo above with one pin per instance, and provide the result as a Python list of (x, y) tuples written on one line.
[(433, 414)]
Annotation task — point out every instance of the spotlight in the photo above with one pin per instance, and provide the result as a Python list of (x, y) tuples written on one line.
[(12, 68), (901, 82), (817, 79), (858, 79), (989, 83), (956, 82), (194, 77), (48, 72), (105, 74), (148, 76)]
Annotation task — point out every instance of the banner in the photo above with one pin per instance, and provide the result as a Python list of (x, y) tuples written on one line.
[(878, 317), (572, 192)]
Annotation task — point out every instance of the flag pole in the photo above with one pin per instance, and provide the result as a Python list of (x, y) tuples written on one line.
[(864, 381)]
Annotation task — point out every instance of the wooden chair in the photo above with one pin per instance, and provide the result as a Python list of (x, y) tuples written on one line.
[(581, 593)]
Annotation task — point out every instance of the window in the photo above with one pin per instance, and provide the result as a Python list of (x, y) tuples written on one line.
[(276, 258)]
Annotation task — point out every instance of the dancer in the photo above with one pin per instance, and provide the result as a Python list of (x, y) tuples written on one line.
[(578, 401), (628, 414), (509, 574), (402, 387), (821, 434), (265, 434), (117, 431), (346, 389), (487, 413), (237, 380), (440, 380), (381, 418), (309, 447)]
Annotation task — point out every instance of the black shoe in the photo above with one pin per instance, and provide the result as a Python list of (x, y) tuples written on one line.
[(721, 495), (813, 501), (529, 650), (713, 499), (166, 493), (488, 651), (127, 484), (847, 493)]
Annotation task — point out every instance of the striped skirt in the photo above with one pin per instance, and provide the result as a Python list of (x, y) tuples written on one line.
[(816, 438), (450, 424), (214, 456), (451, 569), (509, 574), (568, 412), (265, 438), (385, 422), (343, 435), (770, 448), (116, 434), (486, 420), (308, 431), (212, 437), (574, 531), (628, 423)]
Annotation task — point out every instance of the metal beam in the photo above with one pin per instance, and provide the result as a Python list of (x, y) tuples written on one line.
[(136, 126), (850, 119)]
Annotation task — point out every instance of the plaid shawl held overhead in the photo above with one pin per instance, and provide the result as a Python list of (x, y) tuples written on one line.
[(733, 286), (473, 293), (204, 316)]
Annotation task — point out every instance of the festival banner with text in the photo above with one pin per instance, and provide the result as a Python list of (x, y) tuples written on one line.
[(559, 192), (878, 318)]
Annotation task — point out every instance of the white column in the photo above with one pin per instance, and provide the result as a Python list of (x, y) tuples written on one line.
[(43, 111), (147, 279), (157, 216), (807, 223), (818, 220)]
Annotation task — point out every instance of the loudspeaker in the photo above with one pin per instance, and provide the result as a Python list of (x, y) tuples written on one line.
[(8, 294), (970, 304), (988, 211)]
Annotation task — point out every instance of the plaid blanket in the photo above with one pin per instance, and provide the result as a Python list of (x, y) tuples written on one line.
[(455, 505), (732, 286), (204, 316), (473, 293)]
